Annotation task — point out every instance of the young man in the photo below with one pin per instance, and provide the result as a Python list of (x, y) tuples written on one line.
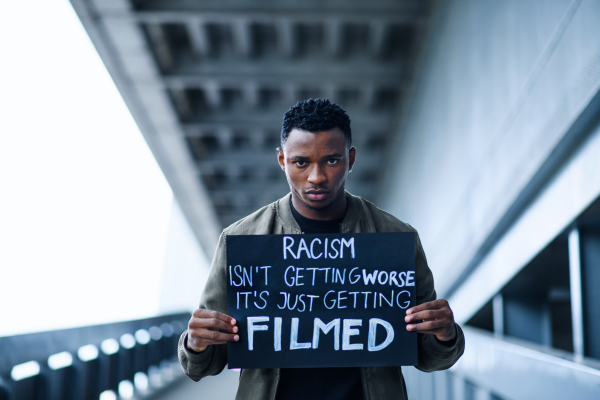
[(316, 155)]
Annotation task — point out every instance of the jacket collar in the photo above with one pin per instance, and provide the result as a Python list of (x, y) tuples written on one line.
[(284, 211)]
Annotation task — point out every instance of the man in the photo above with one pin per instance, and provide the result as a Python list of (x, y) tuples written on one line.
[(316, 154)]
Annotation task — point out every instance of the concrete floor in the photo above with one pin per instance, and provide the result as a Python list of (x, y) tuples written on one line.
[(223, 386)]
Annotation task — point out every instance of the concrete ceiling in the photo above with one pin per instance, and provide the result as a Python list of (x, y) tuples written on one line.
[(208, 82)]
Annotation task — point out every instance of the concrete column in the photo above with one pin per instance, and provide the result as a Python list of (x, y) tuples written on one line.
[(589, 246), (576, 292), (498, 314)]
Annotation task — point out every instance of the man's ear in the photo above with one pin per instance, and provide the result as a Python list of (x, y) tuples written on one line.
[(281, 158), (351, 158)]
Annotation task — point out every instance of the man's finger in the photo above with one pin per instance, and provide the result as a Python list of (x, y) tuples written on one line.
[(423, 327), (435, 304), (214, 336), (214, 323), (429, 315), (421, 307), (207, 343), (202, 313)]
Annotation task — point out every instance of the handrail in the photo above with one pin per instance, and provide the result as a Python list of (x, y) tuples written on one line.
[(81, 363), (517, 369)]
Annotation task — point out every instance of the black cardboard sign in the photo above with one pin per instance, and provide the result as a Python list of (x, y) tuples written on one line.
[(326, 300)]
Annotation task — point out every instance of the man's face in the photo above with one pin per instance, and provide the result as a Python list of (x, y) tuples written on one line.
[(316, 166)]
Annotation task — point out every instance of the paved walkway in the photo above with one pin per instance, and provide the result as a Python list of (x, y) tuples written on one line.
[(220, 387)]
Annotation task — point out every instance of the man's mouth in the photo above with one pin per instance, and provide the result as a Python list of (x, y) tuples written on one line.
[(316, 194)]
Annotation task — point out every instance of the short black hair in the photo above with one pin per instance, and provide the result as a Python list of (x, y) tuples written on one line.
[(316, 116)]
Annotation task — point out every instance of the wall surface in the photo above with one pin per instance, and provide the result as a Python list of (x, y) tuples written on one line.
[(502, 89), (185, 267)]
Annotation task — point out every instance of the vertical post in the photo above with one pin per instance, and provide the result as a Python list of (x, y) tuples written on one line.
[(483, 394), (458, 387), (498, 314), (589, 247), (576, 292), (440, 390), (426, 386)]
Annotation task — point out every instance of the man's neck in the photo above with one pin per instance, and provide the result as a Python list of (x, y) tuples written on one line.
[(335, 210)]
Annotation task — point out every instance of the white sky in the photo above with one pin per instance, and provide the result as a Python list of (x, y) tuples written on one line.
[(84, 208)]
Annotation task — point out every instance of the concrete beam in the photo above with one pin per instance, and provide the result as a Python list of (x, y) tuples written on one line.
[(369, 96), (252, 188), (242, 37), (378, 31), (253, 157), (303, 16), (350, 79), (266, 138), (272, 118), (330, 91), (212, 93), (162, 50), (182, 103), (334, 37), (404, 6), (286, 37), (251, 94), (198, 38), (276, 182)]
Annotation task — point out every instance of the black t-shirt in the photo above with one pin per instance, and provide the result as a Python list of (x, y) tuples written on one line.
[(319, 383)]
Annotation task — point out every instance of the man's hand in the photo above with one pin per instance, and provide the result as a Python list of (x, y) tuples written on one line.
[(204, 326), (434, 317)]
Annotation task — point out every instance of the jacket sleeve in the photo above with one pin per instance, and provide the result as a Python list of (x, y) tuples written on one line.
[(434, 355), (214, 297)]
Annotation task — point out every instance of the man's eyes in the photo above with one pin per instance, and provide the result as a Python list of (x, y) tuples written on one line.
[(331, 161)]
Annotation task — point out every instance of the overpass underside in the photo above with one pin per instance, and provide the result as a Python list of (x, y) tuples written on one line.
[(478, 122), (208, 83)]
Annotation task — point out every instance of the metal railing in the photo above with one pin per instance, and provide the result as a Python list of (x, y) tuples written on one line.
[(498, 367), (124, 359)]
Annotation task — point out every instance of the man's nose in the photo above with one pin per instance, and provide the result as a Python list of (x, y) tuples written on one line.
[(317, 175)]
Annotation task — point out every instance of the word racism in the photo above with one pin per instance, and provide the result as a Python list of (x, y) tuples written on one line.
[(321, 300)]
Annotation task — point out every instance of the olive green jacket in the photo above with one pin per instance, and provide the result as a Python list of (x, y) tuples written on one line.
[(261, 384)]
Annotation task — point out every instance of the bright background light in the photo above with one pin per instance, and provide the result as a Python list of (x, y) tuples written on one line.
[(87, 220)]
